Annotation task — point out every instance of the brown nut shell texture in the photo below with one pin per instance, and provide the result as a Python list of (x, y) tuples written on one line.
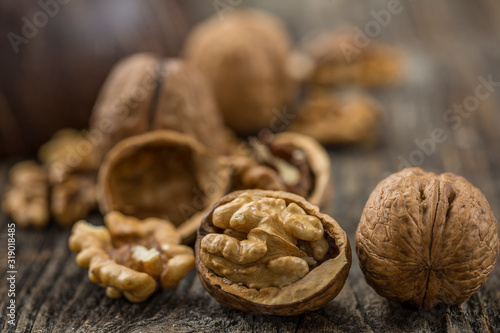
[(162, 174), (244, 57), (144, 92), (425, 238), (130, 257), (286, 161), (271, 252)]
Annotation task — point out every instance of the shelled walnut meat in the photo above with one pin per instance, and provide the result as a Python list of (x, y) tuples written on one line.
[(425, 238), (69, 151), (284, 162), (130, 257), (27, 197), (336, 118), (72, 165), (145, 92), (341, 57), (244, 57), (162, 174), (271, 252)]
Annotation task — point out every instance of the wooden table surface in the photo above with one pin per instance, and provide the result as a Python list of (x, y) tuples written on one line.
[(450, 45)]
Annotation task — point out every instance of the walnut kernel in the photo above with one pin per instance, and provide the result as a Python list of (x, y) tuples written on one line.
[(130, 257), (271, 252), (27, 197)]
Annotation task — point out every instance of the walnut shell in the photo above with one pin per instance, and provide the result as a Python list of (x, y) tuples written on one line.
[(338, 118), (162, 174), (244, 56), (321, 283), (255, 170), (144, 92), (425, 238)]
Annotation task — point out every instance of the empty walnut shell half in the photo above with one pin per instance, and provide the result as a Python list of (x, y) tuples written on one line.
[(161, 174), (145, 92), (244, 57), (286, 161), (342, 56), (425, 238), (271, 252)]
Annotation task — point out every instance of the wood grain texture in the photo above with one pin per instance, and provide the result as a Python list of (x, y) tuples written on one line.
[(449, 45)]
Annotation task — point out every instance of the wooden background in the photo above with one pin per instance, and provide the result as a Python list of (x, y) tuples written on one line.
[(449, 45)]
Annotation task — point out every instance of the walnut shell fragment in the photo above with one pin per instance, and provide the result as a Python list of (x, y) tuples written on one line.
[(162, 174), (130, 257), (144, 92), (425, 238), (244, 56), (271, 252), (338, 118), (286, 161), (27, 197), (338, 57)]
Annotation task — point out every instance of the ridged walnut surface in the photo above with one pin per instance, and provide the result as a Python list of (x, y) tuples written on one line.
[(144, 92), (425, 238)]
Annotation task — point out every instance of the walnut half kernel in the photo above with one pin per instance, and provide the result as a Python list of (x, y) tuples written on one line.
[(271, 252), (130, 257)]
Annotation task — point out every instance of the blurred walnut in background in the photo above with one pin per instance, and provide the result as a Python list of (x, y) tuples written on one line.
[(244, 56)]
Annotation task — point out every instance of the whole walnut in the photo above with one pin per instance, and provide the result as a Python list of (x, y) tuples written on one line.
[(425, 238), (244, 56), (145, 92)]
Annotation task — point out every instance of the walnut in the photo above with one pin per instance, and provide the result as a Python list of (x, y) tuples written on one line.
[(338, 118), (73, 198), (162, 174), (130, 257), (284, 162), (145, 92), (334, 59), (27, 197), (271, 252), (244, 56), (425, 238), (68, 152), (72, 165)]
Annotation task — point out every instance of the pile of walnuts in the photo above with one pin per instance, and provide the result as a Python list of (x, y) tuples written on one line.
[(163, 162)]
